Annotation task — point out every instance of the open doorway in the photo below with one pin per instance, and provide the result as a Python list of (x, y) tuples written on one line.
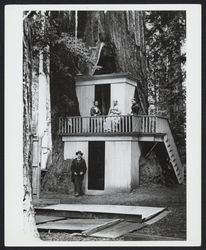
[(102, 95), (96, 168)]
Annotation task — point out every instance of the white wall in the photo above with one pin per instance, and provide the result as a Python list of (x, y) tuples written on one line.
[(118, 166), (85, 95), (117, 93), (121, 162)]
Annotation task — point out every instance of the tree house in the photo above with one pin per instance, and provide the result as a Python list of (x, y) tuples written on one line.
[(112, 157)]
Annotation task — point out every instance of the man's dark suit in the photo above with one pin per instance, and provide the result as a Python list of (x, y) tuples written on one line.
[(78, 169)]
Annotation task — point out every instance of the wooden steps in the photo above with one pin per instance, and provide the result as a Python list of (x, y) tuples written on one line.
[(174, 157)]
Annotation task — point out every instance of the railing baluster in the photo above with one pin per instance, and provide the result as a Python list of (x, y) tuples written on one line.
[(77, 124), (142, 124), (100, 124), (88, 125), (126, 123), (91, 122), (147, 124), (120, 124), (123, 124), (74, 125), (153, 124), (62, 126)]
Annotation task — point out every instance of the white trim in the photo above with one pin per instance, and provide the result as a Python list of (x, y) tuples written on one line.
[(98, 138), (82, 83)]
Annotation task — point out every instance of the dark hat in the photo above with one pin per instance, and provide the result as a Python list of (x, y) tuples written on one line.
[(79, 152)]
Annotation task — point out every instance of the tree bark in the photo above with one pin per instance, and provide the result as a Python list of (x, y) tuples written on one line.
[(28, 209), (122, 34)]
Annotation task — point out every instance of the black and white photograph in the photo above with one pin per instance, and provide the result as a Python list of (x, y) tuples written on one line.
[(104, 126)]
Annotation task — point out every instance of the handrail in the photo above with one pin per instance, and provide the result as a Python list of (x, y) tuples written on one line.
[(157, 116), (108, 124)]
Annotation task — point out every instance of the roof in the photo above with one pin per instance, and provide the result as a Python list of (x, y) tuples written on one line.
[(106, 76)]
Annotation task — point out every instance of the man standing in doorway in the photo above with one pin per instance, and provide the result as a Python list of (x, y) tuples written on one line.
[(78, 169)]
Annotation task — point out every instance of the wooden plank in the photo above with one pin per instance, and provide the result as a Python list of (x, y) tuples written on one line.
[(144, 212), (72, 224), (42, 219), (145, 237), (157, 218), (118, 229), (101, 227)]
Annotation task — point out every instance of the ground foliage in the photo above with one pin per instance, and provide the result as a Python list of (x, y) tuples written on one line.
[(165, 38)]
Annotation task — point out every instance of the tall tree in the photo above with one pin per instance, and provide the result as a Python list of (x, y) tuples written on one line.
[(165, 38), (28, 210), (114, 41)]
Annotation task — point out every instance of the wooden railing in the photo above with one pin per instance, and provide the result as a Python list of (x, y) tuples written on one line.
[(123, 124)]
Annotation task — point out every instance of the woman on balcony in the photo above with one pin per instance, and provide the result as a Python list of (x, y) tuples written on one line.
[(95, 111), (113, 119)]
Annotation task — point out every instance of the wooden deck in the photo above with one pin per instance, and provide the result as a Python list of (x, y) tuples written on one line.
[(143, 127)]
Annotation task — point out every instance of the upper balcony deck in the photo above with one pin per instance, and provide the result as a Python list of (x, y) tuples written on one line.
[(121, 125)]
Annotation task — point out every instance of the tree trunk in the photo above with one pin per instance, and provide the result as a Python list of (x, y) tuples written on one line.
[(122, 34), (28, 210)]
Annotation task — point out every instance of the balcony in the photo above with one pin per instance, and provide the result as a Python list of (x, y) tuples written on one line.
[(111, 125)]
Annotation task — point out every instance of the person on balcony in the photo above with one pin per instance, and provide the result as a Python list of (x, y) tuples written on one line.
[(135, 107), (113, 119), (78, 169), (95, 111)]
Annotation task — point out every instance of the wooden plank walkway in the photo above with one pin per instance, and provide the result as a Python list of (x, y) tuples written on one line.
[(118, 230), (101, 227), (43, 219), (157, 218), (138, 212), (73, 225)]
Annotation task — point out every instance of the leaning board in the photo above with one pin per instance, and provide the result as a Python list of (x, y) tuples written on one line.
[(144, 212), (118, 229), (73, 224)]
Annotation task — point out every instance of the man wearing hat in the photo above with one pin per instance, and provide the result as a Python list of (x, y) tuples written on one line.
[(78, 169)]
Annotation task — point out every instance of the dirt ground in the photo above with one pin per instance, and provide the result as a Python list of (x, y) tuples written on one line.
[(172, 197)]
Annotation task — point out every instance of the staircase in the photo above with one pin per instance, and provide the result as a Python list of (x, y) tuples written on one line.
[(164, 127)]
